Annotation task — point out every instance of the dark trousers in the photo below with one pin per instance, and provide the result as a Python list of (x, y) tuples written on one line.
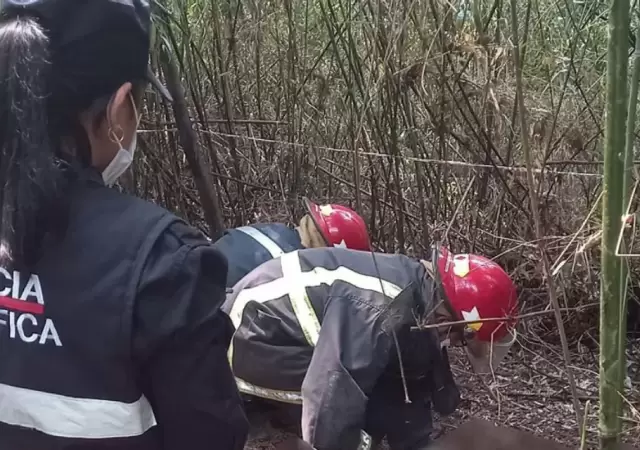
[(407, 426)]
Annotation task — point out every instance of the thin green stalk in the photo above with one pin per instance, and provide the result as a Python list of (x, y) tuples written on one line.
[(611, 365), (626, 198)]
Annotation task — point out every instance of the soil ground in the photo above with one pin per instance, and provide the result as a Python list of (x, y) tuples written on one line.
[(530, 392)]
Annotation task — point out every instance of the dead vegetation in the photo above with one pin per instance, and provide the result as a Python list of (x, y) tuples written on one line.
[(529, 392), (405, 110)]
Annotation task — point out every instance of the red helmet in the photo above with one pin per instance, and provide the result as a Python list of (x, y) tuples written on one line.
[(478, 288), (340, 226)]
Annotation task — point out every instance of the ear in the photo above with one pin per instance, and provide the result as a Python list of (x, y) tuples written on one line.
[(119, 106)]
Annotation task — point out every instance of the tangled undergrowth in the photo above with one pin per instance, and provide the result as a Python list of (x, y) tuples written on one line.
[(407, 112)]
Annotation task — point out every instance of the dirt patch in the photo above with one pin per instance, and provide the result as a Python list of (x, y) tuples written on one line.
[(529, 392)]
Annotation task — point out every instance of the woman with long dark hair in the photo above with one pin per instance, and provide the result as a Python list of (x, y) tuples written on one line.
[(111, 334)]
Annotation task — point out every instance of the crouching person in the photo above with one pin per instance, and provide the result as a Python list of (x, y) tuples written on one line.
[(329, 330), (323, 226)]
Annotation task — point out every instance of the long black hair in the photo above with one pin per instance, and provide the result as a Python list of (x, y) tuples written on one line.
[(32, 178)]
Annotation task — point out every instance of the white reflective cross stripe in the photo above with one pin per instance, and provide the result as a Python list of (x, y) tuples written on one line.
[(261, 294), (304, 312), (294, 283), (263, 240), (281, 286), (320, 275), (248, 295), (271, 394), (70, 417)]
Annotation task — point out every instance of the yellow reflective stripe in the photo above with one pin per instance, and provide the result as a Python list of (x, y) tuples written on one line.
[(263, 240), (365, 441), (270, 394), (302, 308), (260, 294), (294, 283), (304, 311), (292, 397), (230, 352)]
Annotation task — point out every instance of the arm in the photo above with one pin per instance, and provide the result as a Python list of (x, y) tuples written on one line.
[(407, 426), (180, 342), (351, 353), (428, 379)]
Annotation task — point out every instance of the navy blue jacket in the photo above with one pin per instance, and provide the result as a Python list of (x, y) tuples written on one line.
[(248, 247), (113, 338)]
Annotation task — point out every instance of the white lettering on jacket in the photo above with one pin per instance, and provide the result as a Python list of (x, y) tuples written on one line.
[(22, 309)]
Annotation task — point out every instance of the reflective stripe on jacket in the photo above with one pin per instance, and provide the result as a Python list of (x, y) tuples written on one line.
[(98, 340), (247, 247), (316, 327)]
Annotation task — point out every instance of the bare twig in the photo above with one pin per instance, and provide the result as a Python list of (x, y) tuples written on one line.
[(533, 196), (502, 319)]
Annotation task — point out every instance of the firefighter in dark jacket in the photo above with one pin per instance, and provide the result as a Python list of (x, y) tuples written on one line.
[(329, 225), (330, 330), (111, 333)]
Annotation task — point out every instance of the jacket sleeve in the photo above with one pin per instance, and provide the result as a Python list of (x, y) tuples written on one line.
[(351, 352), (180, 341)]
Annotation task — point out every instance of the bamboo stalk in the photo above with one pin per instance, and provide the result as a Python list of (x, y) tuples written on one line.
[(189, 141), (611, 364), (626, 198)]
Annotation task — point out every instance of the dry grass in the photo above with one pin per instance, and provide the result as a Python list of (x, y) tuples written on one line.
[(399, 111)]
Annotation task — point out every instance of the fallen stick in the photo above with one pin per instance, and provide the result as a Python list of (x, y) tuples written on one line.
[(501, 319)]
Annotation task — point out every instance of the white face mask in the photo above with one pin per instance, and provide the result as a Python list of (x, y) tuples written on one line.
[(123, 159), (485, 357)]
